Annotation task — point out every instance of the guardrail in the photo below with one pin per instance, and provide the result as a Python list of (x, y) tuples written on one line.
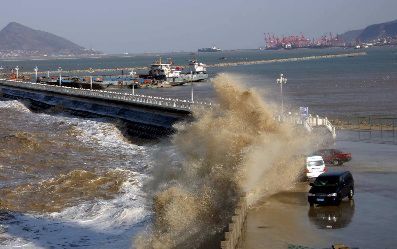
[(172, 103), (310, 122), (236, 229), (372, 128), (322, 121)]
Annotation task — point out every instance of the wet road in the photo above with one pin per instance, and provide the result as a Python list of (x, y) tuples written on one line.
[(370, 221)]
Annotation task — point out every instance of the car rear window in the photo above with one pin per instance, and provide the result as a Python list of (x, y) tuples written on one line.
[(326, 181), (315, 163)]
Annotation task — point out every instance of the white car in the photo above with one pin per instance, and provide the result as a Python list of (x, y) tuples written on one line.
[(315, 166)]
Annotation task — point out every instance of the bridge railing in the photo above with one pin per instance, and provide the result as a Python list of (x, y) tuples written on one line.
[(172, 103)]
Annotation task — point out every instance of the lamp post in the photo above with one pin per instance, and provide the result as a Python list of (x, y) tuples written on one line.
[(191, 82), (282, 80), (17, 70), (91, 82), (132, 74), (60, 76), (36, 69), (1, 70)]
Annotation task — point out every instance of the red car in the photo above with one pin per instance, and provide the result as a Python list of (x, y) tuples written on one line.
[(333, 156)]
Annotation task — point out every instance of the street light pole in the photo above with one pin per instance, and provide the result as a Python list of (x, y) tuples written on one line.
[(282, 80), (60, 76), (36, 69), (191, 82), (17, 70), (1, 69), (132, 74)]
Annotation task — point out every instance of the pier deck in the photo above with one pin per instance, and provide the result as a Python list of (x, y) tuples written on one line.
[(155, 114)]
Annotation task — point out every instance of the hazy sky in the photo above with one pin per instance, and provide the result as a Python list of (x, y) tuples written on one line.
[(174, 25)]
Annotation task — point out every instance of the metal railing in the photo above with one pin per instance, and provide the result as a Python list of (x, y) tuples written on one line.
[(172, 103), (371, 128), (321, 121), (310, 122)]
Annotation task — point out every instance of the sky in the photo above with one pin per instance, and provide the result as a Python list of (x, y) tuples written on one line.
[(135, 26)]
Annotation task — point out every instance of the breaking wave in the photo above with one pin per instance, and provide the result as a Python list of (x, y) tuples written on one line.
[(78, 185), (14, 104), (235, 148), (66, 190)]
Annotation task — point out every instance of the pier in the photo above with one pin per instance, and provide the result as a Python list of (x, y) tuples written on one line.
[(151, 116)]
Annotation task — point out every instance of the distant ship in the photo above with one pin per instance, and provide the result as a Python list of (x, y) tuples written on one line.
[(212, 49)]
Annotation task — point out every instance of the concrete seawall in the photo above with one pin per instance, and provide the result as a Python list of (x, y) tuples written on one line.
[(150, 121), (233, 237)]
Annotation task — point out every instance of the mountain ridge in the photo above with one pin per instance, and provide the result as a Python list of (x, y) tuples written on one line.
[(372, 32), (18, 37)]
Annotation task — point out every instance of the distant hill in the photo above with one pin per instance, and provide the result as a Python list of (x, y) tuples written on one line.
[(351, 36), (17, 37), (372, 32)]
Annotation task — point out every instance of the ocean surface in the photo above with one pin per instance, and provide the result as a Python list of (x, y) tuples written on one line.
[(70, 181)]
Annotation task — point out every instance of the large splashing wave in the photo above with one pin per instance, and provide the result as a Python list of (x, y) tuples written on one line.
[(15, 105), (237, 147)]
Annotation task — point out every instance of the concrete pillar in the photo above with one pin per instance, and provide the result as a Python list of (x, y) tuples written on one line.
[(317, 119)]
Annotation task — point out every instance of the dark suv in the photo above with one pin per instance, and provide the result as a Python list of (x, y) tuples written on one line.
[(331, 188), (333, 156)]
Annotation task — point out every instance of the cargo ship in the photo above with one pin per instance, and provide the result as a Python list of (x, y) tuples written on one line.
[(211, 49)]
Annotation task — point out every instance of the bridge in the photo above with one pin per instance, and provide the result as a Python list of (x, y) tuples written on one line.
[(152, 116)]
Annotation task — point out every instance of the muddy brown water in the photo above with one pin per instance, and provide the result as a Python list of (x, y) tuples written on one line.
[(50, 162)]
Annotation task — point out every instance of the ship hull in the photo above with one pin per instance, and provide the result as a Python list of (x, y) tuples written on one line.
[(185, 78)]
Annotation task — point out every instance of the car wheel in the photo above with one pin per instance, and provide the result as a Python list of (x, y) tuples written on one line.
[(336, 162), (351, 193)]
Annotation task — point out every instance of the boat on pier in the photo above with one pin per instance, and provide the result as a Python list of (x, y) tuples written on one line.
[(177, 75), (160, 75)]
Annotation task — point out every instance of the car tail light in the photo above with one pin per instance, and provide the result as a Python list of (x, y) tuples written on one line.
[(325, 169)]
